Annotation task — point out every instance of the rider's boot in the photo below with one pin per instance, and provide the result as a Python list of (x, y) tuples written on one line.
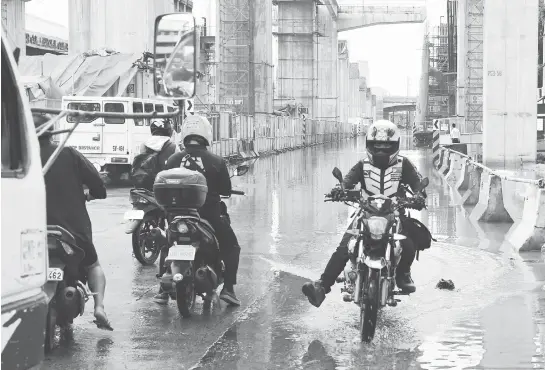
[(315, 292), (228, 295), (405, 282)]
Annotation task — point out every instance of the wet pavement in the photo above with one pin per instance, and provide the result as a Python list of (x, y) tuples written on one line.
[(494, 319)]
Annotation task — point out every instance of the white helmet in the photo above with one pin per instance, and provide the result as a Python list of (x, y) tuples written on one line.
[(195, 127), (382, 143)]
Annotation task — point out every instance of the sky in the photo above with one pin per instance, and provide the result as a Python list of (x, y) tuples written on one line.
[(393, 51)]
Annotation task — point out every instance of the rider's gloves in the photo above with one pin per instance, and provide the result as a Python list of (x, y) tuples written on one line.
[(336, 193)]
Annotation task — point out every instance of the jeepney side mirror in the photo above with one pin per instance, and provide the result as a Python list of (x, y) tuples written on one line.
[(175, 58)]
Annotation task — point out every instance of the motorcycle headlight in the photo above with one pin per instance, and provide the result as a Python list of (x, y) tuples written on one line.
[(377, 227)]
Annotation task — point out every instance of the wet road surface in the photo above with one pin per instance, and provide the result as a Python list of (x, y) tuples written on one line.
[(494, 319)]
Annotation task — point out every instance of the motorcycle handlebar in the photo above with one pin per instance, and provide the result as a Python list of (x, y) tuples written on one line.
[(237, 192)]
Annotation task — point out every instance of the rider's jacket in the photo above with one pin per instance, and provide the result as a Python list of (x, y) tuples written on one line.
[(213, 167), (375, 181)]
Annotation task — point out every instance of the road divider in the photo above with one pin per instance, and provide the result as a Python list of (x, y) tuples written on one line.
[(484, 188)]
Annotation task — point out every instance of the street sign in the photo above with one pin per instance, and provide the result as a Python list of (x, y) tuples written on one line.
[(435, 126), (304, 115)]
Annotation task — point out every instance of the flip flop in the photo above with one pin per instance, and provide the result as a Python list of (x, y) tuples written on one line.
[(104, 325)]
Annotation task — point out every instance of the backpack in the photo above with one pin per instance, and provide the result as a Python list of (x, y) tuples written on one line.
[(418, 232), (145, 167)]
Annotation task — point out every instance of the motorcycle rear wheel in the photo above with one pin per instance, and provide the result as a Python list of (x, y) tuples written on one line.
[(140, 241), (185, 297), (369, 310)]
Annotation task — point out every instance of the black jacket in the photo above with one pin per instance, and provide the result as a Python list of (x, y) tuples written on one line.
[(215, 170), (409, 176), (65, 193)]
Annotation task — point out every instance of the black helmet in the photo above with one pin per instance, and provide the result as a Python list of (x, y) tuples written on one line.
[(161, 127)]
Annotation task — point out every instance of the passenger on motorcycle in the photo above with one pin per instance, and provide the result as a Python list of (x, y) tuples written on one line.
[(154, 154), (66, 208), (196, 135), (381, 172)]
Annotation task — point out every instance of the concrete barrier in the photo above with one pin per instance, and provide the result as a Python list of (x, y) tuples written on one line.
[(453, 173), (490, 207), (529, 234), (471, 196), (445, 164), (462, 184), (439, 162)]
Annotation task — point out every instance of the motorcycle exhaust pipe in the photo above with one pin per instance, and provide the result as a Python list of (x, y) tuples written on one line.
[(69, 302), (205, 279)]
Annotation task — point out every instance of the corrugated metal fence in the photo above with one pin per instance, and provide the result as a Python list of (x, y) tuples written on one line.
[(237, 135)]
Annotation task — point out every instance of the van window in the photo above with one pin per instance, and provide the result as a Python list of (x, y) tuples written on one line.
[(148, 108), (159, 108), (138, 108), (14, 145), (88, 107), (117, 108)]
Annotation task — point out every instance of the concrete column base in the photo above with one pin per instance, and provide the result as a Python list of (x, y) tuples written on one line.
[(529, 234), (490, 207)]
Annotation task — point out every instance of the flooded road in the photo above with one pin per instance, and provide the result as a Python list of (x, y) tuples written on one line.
[(494, 319)]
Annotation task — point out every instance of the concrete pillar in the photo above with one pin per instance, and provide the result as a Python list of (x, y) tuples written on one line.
[(296, 73), (326, 64), (343, 84), (13, 22), (262, 55), (422, 104), (461, 49), (510, 74)]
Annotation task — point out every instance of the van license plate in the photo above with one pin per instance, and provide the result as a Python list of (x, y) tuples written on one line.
[(181, 253), (55, 274)]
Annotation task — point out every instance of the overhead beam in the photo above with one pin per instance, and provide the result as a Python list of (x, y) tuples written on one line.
[(332, 7)]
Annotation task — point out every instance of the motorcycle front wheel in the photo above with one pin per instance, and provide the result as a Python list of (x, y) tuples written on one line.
[(142, 245), (50, 327), (369, 309)]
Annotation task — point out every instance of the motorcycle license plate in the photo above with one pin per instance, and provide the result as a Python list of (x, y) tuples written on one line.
[(181, 253), (55, 274), (134, 214)]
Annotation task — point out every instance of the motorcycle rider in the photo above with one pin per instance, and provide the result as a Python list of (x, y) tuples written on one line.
[(196, 135), (381, 172), (66, 207), (161, 139)]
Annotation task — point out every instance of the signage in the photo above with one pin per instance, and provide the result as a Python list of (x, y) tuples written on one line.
[(37, 40), (189, 107)]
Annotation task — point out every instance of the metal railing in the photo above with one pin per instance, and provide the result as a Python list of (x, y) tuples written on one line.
[(540, 183)]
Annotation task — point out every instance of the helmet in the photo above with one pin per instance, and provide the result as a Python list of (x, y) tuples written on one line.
[(161, 127), (382, 143), (197, 128)]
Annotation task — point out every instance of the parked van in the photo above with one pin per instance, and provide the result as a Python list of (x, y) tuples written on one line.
[(112, 143), (24, 230)]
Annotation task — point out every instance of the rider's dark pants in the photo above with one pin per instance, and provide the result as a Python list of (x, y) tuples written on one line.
[(340, 257), (228, 243)]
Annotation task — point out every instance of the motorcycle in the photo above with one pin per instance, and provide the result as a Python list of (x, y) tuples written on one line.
[(193, 264), (374, 251), (145, 216), (65, 288)]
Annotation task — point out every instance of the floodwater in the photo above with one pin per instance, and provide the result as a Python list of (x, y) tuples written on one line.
[(494, 319)]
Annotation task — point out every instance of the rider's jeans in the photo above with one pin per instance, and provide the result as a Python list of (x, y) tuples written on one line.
[(340, 257)]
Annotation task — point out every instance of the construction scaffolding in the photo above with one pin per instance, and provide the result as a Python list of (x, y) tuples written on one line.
[(474, 66), (235, 73), (439, 88)]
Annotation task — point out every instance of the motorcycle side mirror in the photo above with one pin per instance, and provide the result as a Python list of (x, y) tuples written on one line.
[(338, 174), (241, 170)]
